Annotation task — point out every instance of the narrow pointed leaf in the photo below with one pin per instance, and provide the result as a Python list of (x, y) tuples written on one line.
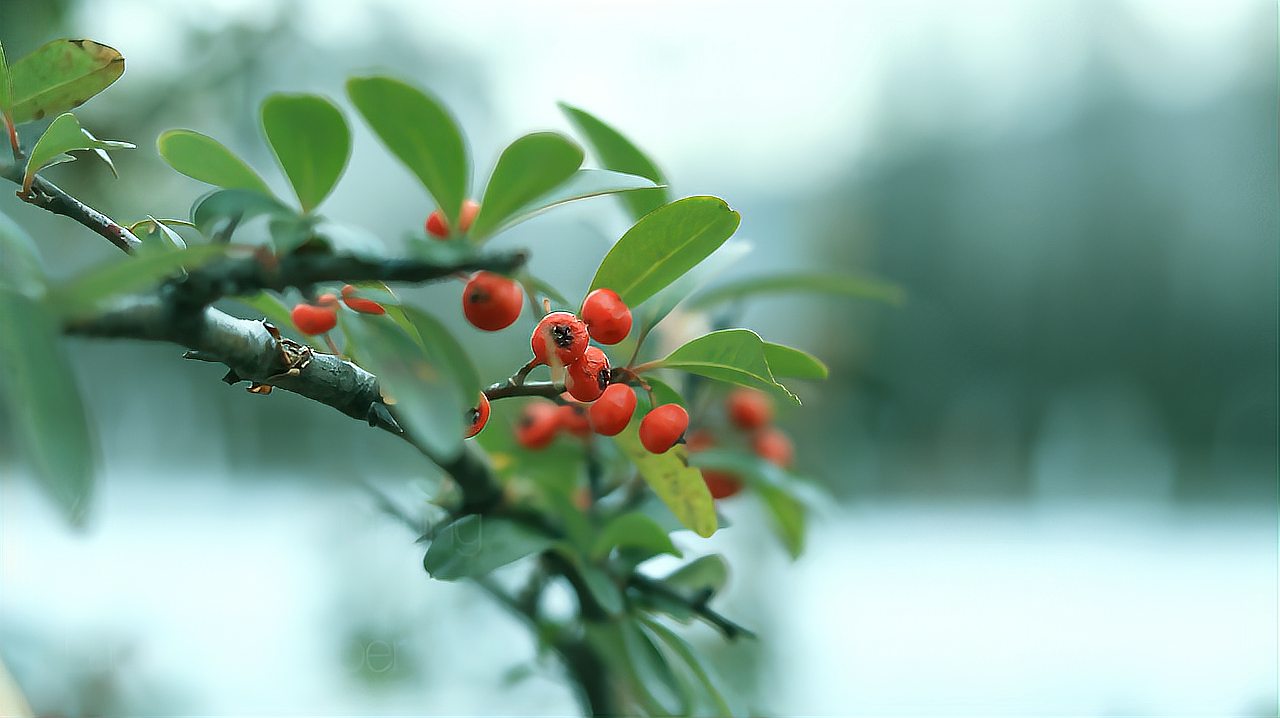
[(421, 133), (633, 530), (663, 245), (528, 168), (476, 545), (837, 284), (311, 141), (45, 410), (790, 363), (584, 184), (705, 574), (736, 356), (681, 488), (60, 76), (203, 158), (6, 86), (685, 653), (618, 153), (126, 275), (65, 135)]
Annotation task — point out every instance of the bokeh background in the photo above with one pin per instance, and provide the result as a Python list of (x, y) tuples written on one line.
[(1053, 470)]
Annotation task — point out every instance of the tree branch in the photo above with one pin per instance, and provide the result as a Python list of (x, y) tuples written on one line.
[(48, 196), (698, 605)]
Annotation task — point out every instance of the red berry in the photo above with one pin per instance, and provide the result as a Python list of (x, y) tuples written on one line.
[(611, 413), (749, 409), (538, 425), (470, 208), (606, 316), (773, 446), (661, 428), (491, 301), (587, 378), (311, 319), (436, 225), (478, 416), (360, 304), (721, 484), (573, 419), (563, 332)]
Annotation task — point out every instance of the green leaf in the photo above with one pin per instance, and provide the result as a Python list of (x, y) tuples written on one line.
[(788, 516), (736, 356), (217, 212), (60, 76), (633, 530), (604, 590), (839, 284), (703, 575), (203, 158), (427, 399), (311, 141), (65, 135), (156, 235), (474, 545), (774, 486), (668, 474), (663, 245), (44, 406), (437, 340), (290, 231), (583, 184), (420, 133), (20, 267), (125, 275), (618, 153), (632, 657), (664, 393), (6, 87), (529, 168), (686, 654), (534, 286), (790, 363), (663, 303)]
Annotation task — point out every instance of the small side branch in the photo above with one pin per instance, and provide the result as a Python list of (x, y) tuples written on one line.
[(697, 604)]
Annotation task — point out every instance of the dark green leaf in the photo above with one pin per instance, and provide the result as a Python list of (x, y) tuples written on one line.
[(43, 402), (668, 474), (311, 140), (420, 133), (126, 275), (790, 363), (60, 76), (584, 184), (528, 169), (663, 245), (203, 158), (604, 590), (215, 212), (633, 530), (427, 399), (290, 231), (685, 653), (632, 658), (438, 341), (736, 356), (838, 284), (703, 575), (20, 267), (475, 545), (65, 135), (618, 153), (664, 393), (6, 88)]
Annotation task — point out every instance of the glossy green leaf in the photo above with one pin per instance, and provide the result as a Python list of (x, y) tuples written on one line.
[(736, 356), (311, 141), (663, 245), (689, 657), (438, 340), (290, 231), (65, 135), (664, 393), (528, 168), (668, 474), (60, 76), (633, 530), (203, 158), (45, 411), (790, 363), (649, 314), (157, 235), (474, 545), (618, 153), (20, 266), (126, 275), (583, 184), (838, 284), (418, 130), (428, 401), (703, 575), (218, 212)]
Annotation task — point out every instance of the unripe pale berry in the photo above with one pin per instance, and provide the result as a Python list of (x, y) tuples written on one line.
[(360, 304), (538, 425), (773, 446), (606, 316), (611, 413), (311, 319), (562, 332), (470, 208), (587, 378), (749, 409), (437, 226), (662, 427), (491, 301), (478, 416), (573, 419)]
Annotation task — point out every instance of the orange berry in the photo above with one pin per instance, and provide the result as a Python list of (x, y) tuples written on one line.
[(564, 333), (587, 378), (611, 413), (749, 409), (606, 316), (311, 319), (491, 301), (773, 446), (538, 425), (662, 427), (478, 416)]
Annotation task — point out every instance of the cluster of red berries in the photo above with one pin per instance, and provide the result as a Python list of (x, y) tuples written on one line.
[(751, 411), (322, 316)]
